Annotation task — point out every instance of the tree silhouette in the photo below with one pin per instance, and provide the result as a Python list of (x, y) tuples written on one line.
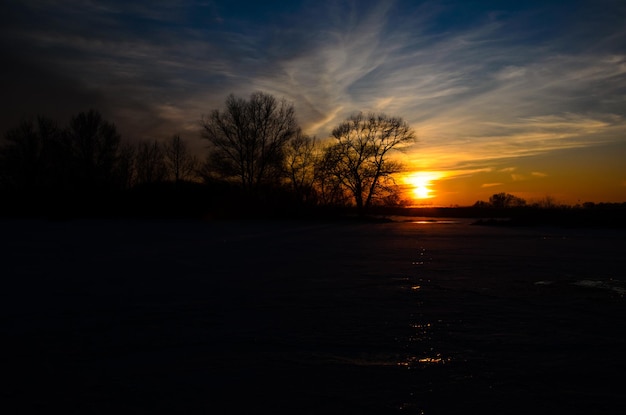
[(359, 157), (180, 163), (247, 139), (28, 159), (328, 184), (255, 141), (127, 166), (506, 200), (300, 160), (94, 143), (150, 163)]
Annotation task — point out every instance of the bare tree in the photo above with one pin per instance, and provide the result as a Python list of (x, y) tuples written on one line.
[(127, 165), (547, 202), (95, 143), (359, 157), (300, 159), (248, 138), (85, 156), (150, 164), (180, 163), (328, 184), (28, 155)]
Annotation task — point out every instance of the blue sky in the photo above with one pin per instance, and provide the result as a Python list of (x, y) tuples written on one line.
[(498, 93)]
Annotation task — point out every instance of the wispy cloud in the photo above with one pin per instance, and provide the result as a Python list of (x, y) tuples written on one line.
[(478, 95), (487, 185)]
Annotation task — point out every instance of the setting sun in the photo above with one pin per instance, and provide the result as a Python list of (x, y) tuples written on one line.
[(422, 184)]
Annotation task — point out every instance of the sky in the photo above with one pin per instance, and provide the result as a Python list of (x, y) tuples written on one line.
[(524, 97)]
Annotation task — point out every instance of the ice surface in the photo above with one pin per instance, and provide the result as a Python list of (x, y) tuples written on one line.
[(297, 317)]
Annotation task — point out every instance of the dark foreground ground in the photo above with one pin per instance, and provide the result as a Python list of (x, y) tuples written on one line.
[(183, 317)]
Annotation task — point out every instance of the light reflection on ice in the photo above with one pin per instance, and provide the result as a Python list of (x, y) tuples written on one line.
[(611, 285), (419, 341), (406, 406), (408, 362), (420, 260), (414, 361), (433, 221), (418, 344)]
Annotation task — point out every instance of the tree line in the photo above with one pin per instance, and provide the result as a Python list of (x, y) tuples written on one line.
[(256, 154), (87, 155), (504, 200)]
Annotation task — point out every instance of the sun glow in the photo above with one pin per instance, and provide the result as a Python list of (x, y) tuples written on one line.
[(421, 183)]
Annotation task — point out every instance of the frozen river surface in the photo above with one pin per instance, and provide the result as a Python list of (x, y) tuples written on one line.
[(419, 317)]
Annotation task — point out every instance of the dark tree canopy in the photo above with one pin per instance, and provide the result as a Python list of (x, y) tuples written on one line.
[(247, 139), (27, 158), (38, 155), (300, 159), (359, 157), (95, 143), (180, 163), (150, 163), (506, 200)]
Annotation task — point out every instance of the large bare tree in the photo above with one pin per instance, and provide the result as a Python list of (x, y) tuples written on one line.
[(180, 163), (247, 139), (359, 157)]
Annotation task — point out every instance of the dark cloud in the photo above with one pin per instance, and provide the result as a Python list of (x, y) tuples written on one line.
[(29, 89)]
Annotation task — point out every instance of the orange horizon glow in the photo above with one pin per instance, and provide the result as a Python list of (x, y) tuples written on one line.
[(422, 184)]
